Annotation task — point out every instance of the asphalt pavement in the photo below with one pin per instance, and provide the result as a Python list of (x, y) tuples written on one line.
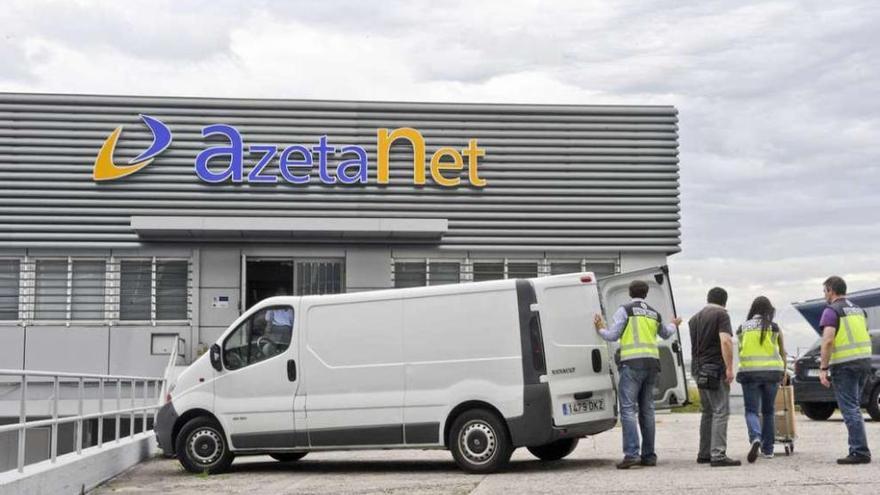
[(590, 469)]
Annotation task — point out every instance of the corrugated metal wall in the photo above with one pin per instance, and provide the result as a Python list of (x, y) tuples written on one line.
[(565, 178)]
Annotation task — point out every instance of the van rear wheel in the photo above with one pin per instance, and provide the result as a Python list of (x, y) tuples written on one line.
[(201, 446), (479, 442), (288, 456), (554, 451)]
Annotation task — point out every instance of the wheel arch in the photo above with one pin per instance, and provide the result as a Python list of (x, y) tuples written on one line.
[(186, 417), (467, 406)]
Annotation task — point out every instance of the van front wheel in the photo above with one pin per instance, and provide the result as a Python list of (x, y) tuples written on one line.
[(479, 442), (201, 446), (554, 451)]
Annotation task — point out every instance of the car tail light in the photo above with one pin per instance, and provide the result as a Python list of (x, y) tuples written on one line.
[(586, 279)]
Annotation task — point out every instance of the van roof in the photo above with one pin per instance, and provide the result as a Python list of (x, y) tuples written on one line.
[(407, 292)]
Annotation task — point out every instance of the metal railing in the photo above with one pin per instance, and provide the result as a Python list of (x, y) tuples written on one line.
[(150, 403)]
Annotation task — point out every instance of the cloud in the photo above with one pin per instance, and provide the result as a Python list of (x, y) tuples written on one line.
[(779, 114)]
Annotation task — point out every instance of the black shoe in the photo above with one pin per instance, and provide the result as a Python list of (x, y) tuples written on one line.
[(753, 451), (649, 461), (629, 462), (854, 459), (724, 462), (703, 460)]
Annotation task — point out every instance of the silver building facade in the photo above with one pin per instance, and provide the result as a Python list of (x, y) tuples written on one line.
[(102, 276)]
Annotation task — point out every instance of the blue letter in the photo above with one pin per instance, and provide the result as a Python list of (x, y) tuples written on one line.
[(234, 150), (322, 150), (284, 163), (360, 163), (268, 153)]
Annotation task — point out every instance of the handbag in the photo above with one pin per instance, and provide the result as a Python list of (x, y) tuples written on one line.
[(709, 376)]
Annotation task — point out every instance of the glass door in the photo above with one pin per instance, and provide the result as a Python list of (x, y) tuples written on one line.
[(268, 277)]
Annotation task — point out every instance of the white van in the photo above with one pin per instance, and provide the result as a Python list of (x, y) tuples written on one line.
[(477, 368)]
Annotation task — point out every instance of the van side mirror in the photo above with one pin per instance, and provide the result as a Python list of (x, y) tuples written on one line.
[(215, 357)]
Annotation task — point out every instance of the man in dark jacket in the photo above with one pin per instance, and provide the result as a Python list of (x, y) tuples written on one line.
[(712, 359)]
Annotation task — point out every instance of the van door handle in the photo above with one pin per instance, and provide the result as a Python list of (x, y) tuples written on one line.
[(291, 370)]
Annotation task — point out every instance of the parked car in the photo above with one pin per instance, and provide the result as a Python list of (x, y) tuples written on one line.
[(818, 402), (477, 368)]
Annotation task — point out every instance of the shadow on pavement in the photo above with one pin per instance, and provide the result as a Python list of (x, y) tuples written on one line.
[(403, 466)]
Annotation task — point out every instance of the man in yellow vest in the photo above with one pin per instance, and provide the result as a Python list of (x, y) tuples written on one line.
[(846, 353), (636, 325)]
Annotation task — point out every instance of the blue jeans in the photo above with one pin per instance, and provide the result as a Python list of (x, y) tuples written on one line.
[(760, 395), (848, 385), (637, 410)]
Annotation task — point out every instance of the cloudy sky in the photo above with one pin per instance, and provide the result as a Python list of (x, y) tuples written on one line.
[(779, 101)]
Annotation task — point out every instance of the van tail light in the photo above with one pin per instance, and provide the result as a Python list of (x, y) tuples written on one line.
[(586, 279)]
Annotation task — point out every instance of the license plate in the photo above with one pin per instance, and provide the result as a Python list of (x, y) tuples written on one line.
[(813, 372), (583, 406)]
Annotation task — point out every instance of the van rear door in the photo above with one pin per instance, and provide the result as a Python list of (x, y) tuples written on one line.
[(671, 388), (579, 379)]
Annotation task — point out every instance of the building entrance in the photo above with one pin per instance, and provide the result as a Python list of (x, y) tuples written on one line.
[(267, 277)]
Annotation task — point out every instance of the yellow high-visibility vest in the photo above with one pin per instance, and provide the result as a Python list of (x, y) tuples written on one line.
[(639, 337), (851, 341), (756, 354)]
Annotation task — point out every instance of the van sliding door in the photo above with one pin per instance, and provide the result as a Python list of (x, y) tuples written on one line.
[(671, 388)]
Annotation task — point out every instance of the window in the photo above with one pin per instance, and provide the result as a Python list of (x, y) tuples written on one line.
[(602, 269), (318, 277), (522, 269), (153, 289), (50, 302), (496, 270), (426, 272), (134, 289), (560, 267), (10, 271), (172, 281), (410, 274), (94, 289), (88, 283), (488, 271), (267, 333), (441, 273)]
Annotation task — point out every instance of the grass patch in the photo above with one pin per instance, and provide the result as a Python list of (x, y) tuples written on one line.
[(694, 404)]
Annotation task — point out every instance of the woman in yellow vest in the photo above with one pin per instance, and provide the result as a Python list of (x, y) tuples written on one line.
[(761, 367)]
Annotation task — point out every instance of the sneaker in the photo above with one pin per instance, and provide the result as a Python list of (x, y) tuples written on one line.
[(629, 462), (725, 462), (648, 461), (703, 460), (753, 451), (855, 459), (767, 456)]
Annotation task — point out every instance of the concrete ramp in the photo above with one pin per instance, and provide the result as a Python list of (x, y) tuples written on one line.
[(75, 474)]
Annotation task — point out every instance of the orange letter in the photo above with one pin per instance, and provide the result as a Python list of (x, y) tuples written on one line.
[(472, 152), (383, 147), (437, 166)]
